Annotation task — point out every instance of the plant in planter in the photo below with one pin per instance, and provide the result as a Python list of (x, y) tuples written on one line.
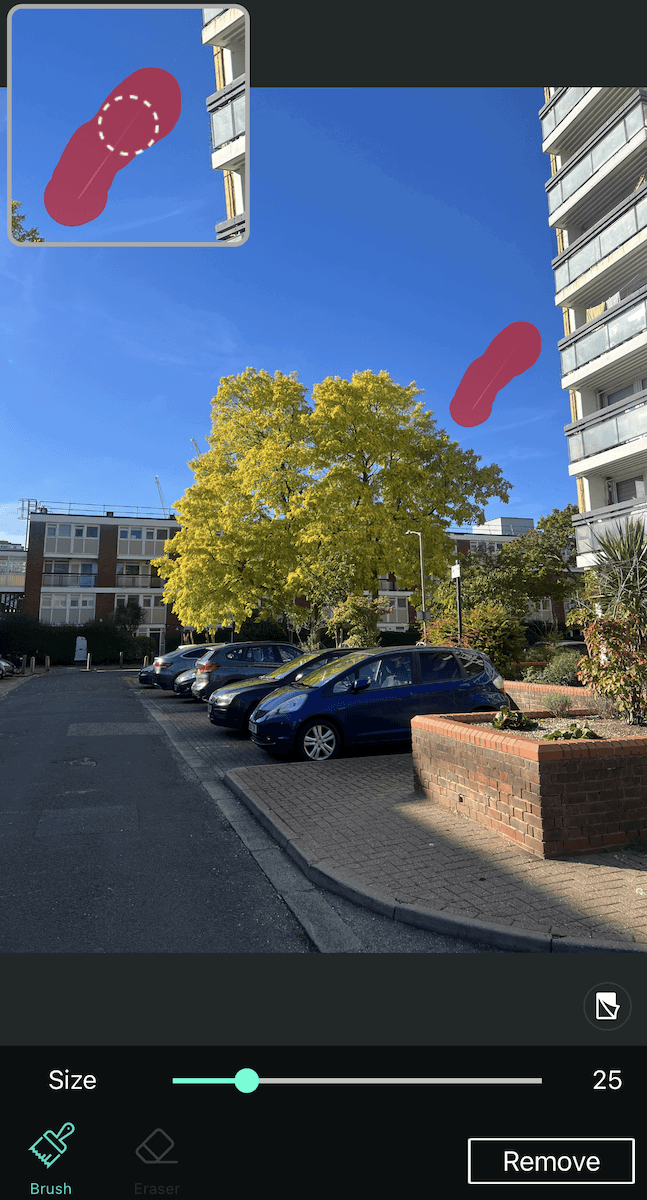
[(559, 706), (506, 719), (573, 731)]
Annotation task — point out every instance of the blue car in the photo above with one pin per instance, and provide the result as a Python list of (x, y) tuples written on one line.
[(371, 697)]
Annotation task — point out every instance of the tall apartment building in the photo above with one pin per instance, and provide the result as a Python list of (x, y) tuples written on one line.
[(83, 562), (13, 557), (597, 202), (223, 28)]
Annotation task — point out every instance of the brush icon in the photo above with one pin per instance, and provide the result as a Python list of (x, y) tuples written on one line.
[(51, 1145)]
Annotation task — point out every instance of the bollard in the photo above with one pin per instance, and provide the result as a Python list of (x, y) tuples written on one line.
[(121, 658), (32, 665), (88, 662), (23, 664), (145, 660), (47, 662)]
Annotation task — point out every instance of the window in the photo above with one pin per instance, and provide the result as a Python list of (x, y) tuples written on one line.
[(92, 531), (393, 671), (150, 534), (135, 535), (438, 665), (471, 664), (162, 535), (236, 655), (344, 684), (260, 654), (78, 531), (123, 534), (65, 531), (401, 602), (147, 602), (51, 531), (285, 655), (630, 489)]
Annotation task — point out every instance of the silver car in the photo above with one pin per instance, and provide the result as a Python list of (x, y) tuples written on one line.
[(6, 668)]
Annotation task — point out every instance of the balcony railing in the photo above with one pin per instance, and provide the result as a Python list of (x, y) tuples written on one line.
[(602, 521), (137, 582), (585, 164), (605, 429), (12, 579), (591, 248), (625, 321), (67, 579), (561, 108)]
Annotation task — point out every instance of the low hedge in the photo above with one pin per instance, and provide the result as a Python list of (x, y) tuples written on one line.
[(21, 635)]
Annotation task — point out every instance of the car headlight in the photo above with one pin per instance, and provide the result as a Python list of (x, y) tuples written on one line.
[(222, 699), (291, 705), (499, 683)]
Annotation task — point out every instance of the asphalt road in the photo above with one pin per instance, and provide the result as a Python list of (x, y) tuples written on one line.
[(110, 844), (118, 838)]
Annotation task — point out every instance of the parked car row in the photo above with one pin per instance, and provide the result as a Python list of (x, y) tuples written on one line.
[(316, 703)]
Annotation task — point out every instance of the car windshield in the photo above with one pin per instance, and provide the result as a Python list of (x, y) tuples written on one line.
[(331, 670), (288, 667)]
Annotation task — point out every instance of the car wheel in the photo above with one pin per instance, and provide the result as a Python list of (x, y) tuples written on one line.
[(318, 741)]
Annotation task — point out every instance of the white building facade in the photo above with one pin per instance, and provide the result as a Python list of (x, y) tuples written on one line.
[(224, 29), (597, 200)]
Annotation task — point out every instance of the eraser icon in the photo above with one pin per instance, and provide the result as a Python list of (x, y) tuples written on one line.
[(510, 353), (136, 115)]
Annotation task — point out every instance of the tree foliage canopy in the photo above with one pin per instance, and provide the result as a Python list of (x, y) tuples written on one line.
[(17, 221), (540, 563), (287, 490)]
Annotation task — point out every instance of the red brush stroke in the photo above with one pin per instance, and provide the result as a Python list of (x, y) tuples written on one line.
[(510, 353), (78, 189)]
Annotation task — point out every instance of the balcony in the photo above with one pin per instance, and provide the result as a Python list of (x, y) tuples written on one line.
[(602, 521), (232, 230), (54, 579), (603, 172), (593, 352), (12, 579), (623, 425), (616, 245), (132, 582), (573, 114)]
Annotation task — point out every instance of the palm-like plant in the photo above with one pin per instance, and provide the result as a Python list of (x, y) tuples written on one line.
[(621, 573), (614, 619)]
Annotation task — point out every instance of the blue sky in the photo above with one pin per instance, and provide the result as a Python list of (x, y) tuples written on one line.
[(391, 229)]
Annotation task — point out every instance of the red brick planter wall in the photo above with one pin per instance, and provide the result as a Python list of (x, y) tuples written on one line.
[(549, 798), (530, 695)]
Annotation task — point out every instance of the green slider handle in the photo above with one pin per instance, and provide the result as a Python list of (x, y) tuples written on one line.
[(58, 1139)]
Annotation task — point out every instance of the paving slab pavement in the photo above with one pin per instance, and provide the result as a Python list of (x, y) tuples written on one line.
[(356, 828)]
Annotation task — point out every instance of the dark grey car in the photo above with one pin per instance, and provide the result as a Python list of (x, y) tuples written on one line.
[(168, 666), (242, 660)]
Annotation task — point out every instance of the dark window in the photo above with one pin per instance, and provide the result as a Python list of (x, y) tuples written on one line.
[(471, 663), (236, 655), (285, 654), (344, 684), (261, 654), (392, 671), (437, 665), (199, 653)]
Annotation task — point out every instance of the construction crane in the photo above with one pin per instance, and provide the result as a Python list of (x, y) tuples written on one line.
[(159, 488)]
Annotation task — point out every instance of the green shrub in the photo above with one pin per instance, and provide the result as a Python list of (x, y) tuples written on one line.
[(267, 630), (509, 719), (488, 627), (558, 705), (562, 669)]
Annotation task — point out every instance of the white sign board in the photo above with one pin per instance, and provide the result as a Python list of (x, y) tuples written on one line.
[(456, 572), (81, 651)]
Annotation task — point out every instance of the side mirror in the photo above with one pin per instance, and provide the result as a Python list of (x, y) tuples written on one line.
[(360, 685)]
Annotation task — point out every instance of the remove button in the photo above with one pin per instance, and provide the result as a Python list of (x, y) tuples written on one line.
[(551, 1160)]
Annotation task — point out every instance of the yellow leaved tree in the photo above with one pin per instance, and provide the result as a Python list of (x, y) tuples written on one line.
[(287, 490)]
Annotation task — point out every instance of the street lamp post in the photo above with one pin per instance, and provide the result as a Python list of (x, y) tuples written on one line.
[(415, 533)]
